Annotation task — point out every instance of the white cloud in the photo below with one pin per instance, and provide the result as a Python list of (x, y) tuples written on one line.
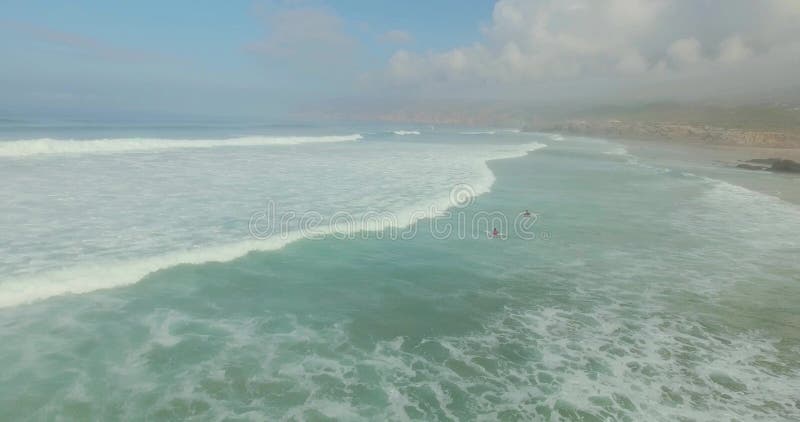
[(396, 36), (782, 7), (687, 51), (632, 63), (528, 44), (82, 44), (404, 66), (548, 39), (305, 49), (308, 34), (635, 13), (734, 50)]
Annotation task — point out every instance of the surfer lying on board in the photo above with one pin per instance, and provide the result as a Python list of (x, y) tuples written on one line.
[(495, 234)]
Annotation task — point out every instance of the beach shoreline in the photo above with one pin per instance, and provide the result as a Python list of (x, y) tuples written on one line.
[(720, 161)]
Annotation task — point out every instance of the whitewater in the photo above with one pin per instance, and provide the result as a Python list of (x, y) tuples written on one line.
[(133, 285), (86, 222), (28, 147)]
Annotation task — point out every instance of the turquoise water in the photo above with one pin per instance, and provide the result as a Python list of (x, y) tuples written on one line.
[(647, 293)]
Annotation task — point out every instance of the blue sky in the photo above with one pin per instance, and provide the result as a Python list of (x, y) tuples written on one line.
[(262, 58), (198, 56)]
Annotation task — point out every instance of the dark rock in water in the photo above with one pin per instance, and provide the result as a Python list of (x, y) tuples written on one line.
[(787, 166), (750, 167), (771, 164), (765, 161)]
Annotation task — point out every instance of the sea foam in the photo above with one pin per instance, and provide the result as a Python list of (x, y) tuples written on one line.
[(87, 278), (25, 148), (97, 273)]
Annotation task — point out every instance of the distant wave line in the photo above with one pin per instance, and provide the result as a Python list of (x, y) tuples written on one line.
[(44, 146), (479, 132)]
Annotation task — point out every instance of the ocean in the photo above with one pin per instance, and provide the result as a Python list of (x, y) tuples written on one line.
[(349, 272)]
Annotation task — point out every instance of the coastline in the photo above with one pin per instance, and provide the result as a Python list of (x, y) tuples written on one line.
[(720, 161)]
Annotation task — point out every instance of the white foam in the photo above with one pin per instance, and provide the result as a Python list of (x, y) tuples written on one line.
[(25, 148), (754, 219), (103, 274), (622, 152), (632, 362), (405, 132), (618, 151), (594, 365), (478, 132)]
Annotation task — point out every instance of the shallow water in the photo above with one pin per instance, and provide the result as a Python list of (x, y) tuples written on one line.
[(648, 292)]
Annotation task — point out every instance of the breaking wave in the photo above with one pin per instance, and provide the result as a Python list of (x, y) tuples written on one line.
[(25, 148), (104, 274)]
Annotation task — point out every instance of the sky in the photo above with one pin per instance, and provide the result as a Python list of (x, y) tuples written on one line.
[(266, 57)]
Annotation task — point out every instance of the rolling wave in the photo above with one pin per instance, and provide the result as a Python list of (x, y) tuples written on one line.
[(44, 146), (88, 277), (405, 132)]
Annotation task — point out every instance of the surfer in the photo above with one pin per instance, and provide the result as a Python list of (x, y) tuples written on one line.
[(526, 213), (495, 232)]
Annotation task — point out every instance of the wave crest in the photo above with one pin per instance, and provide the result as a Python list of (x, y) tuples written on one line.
[(29, 147), (88, 277)]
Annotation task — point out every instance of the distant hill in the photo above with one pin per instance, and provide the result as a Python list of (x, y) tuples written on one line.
[(775, 126), (771, 117)]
